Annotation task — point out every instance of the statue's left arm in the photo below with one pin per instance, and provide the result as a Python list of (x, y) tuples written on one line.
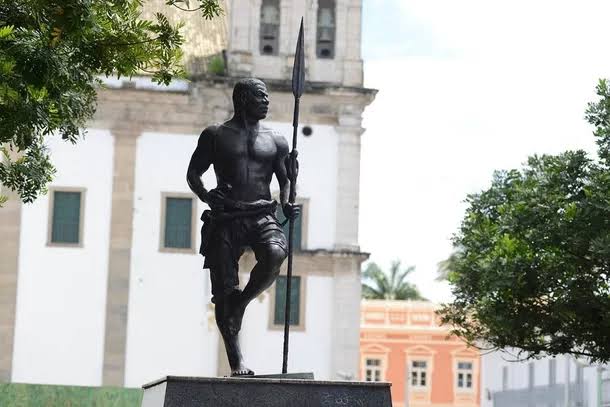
[(279, 168)]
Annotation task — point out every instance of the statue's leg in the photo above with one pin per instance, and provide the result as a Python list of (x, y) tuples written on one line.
[(271, 249), (269, 257), (230, 339), (223, 261)]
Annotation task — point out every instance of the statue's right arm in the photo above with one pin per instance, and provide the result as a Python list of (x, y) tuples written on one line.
[(200, 162)]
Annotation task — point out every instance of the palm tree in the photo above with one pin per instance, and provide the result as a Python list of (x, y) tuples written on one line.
[(446, 267), (378, 284)]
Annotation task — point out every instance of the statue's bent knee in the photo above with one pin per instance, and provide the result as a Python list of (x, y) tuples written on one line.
[(273, 254), (279, 253)]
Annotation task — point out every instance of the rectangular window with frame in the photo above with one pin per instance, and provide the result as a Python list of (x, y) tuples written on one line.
[(464, 375), (280, 301), (298, 227), (419, 373), (177, 233), (372, 370), (66, 217)]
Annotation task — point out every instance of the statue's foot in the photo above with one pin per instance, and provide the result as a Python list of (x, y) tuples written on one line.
[(241, 371)]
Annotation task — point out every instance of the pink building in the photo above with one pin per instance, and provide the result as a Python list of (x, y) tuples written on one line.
[(403, 342)]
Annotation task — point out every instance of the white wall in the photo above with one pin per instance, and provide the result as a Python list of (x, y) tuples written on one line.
[(168, 332), (317, 180), (541, 372), (61, 298), (59, 331), (590, 378)]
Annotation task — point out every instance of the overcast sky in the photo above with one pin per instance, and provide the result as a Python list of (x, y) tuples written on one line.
[(466, 87)]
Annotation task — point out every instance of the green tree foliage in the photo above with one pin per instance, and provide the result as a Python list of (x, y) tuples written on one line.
[(51, 55), (532, 260), (380, 285)]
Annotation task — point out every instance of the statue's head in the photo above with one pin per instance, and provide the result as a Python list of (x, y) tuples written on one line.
[(250, 98)]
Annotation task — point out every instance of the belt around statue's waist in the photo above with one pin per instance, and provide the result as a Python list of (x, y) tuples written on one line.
[(241, 210), (261, 204)]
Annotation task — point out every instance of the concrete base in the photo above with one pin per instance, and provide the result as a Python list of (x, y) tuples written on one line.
[(175, 391)]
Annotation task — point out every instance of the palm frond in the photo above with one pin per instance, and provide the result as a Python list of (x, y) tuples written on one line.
[(390, 285)]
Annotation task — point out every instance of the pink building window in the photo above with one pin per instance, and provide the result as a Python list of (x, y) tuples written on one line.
[(419, 373), (464, 375), (373, 370)]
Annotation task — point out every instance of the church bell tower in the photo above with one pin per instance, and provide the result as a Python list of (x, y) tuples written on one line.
[(263, 33)]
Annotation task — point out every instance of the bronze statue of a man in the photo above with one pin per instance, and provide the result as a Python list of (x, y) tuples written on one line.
[(245, 155)]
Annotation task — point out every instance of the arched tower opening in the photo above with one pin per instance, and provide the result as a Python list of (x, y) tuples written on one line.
[(269, 27), (325, 35)]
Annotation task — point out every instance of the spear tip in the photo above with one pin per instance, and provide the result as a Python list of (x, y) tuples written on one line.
[(298, 69)]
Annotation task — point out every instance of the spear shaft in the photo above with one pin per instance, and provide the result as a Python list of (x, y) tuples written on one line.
[(298, 84)]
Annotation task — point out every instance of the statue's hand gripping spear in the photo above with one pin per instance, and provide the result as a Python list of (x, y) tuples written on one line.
[(292, 169)]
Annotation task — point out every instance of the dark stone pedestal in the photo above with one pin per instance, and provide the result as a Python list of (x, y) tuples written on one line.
[(176, 391)]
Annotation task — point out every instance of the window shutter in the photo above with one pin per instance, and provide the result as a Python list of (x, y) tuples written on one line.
[(178, 223), (66, 217), (280, 300)]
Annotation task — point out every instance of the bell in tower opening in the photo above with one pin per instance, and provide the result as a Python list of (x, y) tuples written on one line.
[(325, 47), (270, 27)]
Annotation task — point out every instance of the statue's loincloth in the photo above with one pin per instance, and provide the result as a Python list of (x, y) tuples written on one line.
[(226, 235)]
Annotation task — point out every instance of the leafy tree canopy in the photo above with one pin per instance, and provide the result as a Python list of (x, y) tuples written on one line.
[(381, 285), (532, 260), (51, 55)]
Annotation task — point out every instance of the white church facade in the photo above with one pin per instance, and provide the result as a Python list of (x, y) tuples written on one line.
[(101, 282)]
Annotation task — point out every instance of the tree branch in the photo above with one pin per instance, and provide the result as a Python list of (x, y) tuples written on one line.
[(187, 9)]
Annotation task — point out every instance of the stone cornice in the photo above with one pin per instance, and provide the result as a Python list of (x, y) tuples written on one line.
[(208, 101), (362, 256), (281, 85), (315, 262)]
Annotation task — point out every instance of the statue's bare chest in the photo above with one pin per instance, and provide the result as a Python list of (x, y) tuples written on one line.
[(238, 146)]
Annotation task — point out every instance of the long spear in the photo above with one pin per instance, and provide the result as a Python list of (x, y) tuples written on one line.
[(298, 85)]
